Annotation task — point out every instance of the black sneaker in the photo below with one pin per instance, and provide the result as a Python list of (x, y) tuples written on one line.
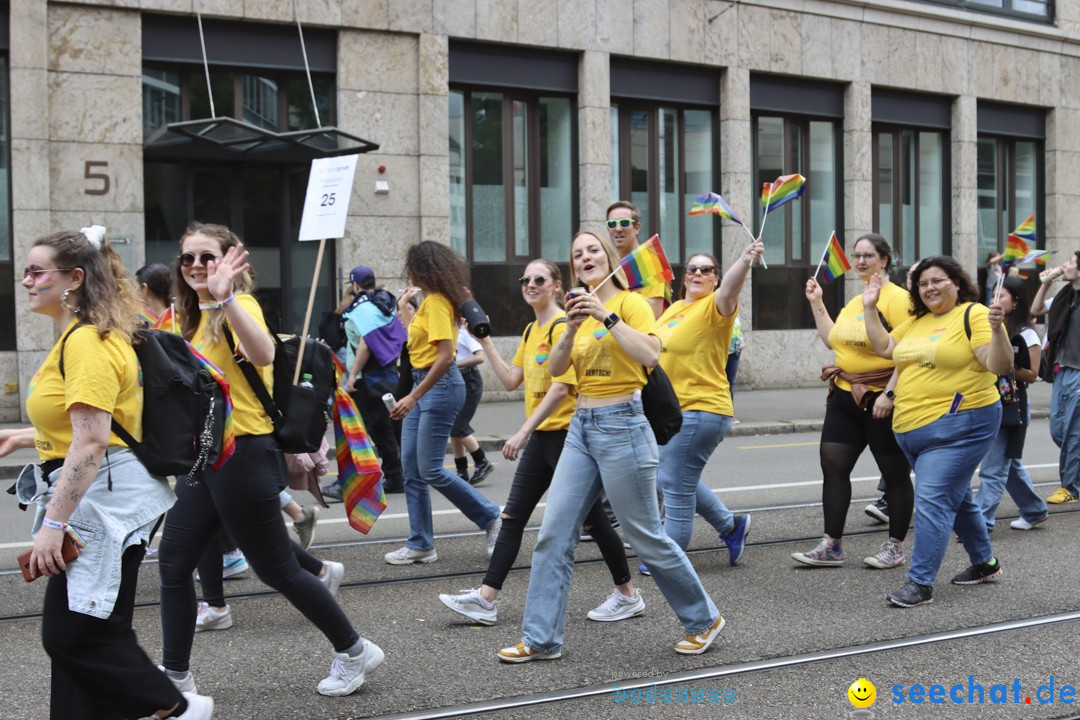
[(912, 594), (464, 475), (480, 471), (983, 572), (879, 510), (393, 485), (331, 493)]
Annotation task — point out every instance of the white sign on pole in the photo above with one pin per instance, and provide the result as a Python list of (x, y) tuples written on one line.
[(329, 190)]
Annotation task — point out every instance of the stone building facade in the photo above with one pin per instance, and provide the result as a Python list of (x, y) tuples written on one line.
[(77, 78)]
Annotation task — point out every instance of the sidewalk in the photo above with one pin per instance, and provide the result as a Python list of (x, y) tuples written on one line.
[(760, 412)]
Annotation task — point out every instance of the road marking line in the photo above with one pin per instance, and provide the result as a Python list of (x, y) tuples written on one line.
[(778, 445)]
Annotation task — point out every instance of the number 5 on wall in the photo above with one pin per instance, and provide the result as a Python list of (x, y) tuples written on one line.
[(91, 165)]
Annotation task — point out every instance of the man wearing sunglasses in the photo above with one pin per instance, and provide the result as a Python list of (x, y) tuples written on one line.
[(624, 225)]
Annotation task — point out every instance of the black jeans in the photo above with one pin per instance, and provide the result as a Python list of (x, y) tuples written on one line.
[(536, 467), (211, 572), (380, 428), (99, 672), (242, 495)]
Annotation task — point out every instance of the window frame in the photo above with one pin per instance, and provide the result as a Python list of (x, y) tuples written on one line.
[(1005, 156), (1007, 9)]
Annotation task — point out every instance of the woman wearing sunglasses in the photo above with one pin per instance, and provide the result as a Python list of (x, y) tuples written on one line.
[(429, 409), (89, 483), (549, 405), (610, 446), (214, 287), (694, 336), (858, 411)]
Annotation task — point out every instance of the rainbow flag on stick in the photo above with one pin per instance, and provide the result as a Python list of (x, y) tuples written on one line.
[(646, 265), (782, 191), (1015, 249), (1039, 256), (833, 260), (712, 203), (166, 321), (1026, 229)]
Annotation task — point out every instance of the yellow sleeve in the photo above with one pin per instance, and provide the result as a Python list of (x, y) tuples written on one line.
[(569, 377), (637, 313), (441, 323), (91, 372), (899, 331), (981, 334)]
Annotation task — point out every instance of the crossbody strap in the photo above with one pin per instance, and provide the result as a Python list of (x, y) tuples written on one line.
[(254, 381)]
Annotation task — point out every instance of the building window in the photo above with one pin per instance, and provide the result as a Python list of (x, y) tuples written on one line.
[(796, 233), (662, 157), (1027, 9), (911, 192)]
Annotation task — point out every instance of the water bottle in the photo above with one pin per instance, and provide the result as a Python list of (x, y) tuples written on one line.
[(305, 381), (389, 401)]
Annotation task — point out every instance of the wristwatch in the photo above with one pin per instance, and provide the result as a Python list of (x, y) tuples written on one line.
[(611, 320), (890, 394)]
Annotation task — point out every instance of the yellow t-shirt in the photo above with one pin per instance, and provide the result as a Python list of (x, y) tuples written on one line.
[(694, 342), (532, 357), (603, 368), (936, 362), (103, 374), (435, 320), (854, 353), (249, 415)]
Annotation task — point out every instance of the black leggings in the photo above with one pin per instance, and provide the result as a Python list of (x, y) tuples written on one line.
[(211, 571), (99, 672), (536, 467), (244, 495), (846, 432)]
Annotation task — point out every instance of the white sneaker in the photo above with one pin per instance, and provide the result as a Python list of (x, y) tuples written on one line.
[(472, 605), (335, 572), (1022, 524), (618, 607), (347, 673), (210, 618), (184, 682), (408, 556), (199, 707), (493, 535)]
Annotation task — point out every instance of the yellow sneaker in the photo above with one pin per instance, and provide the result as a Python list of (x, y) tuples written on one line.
[(523, 653), (697, 644), (1061, 496)]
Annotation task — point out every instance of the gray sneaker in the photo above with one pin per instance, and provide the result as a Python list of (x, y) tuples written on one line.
[(472, 605), (493, 535), (618, 607), (305, 525), (408, 556)]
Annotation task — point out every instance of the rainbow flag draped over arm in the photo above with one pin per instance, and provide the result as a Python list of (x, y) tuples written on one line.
[(647, 265), (712, 203), (782, 191), (833, 261)]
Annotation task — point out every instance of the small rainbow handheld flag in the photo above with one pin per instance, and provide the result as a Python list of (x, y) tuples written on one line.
[(166, 321), (147, 317), (228, 435), (712, 203), (1039, 256), (647, 265), (1015, 249), (833, 261), (782, 191), (1026, 229)]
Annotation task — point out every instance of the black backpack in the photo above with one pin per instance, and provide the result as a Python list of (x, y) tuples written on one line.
[(299, 414), (331, 330), (183, 416)]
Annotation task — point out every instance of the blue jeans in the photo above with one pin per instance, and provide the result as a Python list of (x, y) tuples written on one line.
[(1065, 426), (681, 463), (944, 455), (612, 449), (424, 435), (999, 473)]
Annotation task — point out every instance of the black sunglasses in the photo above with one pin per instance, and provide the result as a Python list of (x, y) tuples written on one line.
[(538, 281), (705, 270), (188, 259)]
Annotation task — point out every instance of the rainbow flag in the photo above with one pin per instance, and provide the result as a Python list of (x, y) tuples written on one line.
[(358, 469), (147, 317), (712, 203), (1039, 256), (647, 265), (1026, 229), (228, 436), (166, 321), (833, 261), (782, 191), (1015, 249)]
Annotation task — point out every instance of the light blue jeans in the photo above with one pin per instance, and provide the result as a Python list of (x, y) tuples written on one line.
[(998, 474), (682, 461), (611, 449), (944, 455), (424, 435), (1065, 426)]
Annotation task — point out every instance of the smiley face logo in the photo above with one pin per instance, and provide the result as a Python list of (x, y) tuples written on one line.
[(862, 693)]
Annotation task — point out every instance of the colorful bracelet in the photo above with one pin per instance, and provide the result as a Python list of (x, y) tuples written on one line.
[(50, 523), (227, 300)]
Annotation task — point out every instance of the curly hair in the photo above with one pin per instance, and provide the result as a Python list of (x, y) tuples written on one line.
[(716, 271), (106, 298), (965, 288), (618, 279), (881, 247), (556, 277), (187, 300), (435, 268)]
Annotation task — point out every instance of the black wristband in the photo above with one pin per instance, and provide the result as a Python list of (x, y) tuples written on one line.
[(611, 320)]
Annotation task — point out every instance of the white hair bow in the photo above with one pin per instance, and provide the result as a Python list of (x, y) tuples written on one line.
[(94, 234)]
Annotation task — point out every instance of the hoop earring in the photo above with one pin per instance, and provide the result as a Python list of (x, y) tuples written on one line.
[(63, 303)]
